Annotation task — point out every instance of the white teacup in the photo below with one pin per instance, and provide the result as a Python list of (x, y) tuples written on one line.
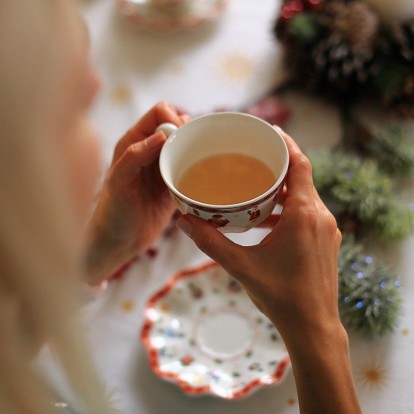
[(221, 133)]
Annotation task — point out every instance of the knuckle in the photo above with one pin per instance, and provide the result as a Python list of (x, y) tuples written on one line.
[(132, 151), (110, 182), (206, 243), (338, 236), (305, 164), (159, 106)]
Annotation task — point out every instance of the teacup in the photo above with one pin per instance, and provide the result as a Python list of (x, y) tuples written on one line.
[(224, 133)]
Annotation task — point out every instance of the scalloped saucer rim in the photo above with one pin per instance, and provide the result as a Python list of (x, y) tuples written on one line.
[(186, 335)]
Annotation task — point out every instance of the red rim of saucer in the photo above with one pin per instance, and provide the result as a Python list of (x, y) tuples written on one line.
[(166, 27), (276, 377)]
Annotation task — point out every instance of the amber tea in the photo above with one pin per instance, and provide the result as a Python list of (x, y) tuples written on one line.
[(224, 179)]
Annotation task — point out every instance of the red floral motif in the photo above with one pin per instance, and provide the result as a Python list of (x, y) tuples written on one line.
[(255, 214), (234, 286), (152, 253), (186, 360), (293, 7), (218, 221), (196, 292), (120, 273)]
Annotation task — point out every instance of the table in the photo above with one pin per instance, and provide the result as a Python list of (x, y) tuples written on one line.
[(224, 64)]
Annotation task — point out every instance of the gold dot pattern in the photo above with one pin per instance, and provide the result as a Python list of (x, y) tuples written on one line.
[(128, 306), (121, 94), (236, 67)]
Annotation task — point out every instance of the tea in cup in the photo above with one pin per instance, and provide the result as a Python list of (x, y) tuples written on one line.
[(226, 168)]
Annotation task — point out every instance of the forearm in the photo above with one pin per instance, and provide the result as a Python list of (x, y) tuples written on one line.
[(322, 372), (106, 250), (102, 259)]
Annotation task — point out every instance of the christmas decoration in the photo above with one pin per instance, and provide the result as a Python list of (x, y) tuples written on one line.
[(344, 50), (369, 297), (362, 198), (270, 109), (354, 180), (392, 148)]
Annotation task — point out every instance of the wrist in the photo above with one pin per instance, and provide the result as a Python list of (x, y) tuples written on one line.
[(104, 256), (322, 370), (317, 336)]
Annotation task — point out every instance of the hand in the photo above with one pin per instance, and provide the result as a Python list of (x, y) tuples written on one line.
[(295, 267), (134, 207), (292, 277)]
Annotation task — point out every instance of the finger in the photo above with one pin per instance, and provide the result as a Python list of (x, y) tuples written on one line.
[(281, 197), (185, 118), (211, 241), (137, 156), (338, 238), (299, 177), (318, 201), (160, 113), (270, 221)]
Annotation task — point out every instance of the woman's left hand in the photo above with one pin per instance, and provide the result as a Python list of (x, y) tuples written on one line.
[(134, 207)]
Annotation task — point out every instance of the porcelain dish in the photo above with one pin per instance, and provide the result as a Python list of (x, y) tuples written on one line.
[(203, 333)]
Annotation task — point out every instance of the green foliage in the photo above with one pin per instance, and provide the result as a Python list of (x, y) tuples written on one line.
[(393, 150), (391, 77), (305, 28), (369, 297), (356, 190)]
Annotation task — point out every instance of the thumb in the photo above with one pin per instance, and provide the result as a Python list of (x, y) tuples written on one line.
[(210, 241)]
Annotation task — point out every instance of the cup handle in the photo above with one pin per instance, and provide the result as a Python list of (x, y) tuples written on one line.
[(167, 127)]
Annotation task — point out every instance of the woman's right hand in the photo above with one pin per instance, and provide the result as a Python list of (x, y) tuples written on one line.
[(292, 275)]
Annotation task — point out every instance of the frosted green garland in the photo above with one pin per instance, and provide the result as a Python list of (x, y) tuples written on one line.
[(393, 150), (369, 297), (357, 192)]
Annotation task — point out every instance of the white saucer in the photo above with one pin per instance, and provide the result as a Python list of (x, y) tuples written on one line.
[(203, 333), (180, 15)]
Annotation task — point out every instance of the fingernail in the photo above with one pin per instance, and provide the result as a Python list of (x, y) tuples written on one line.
[(186, 118), (278, 129), (156, 140), (185, 225)]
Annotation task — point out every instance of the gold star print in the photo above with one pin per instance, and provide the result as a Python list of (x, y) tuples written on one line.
[(236, 67), (176, 68), (405, 332), (121, 94), (372, 375), (128, 306), (111, 400), (291, 401), (165, 307)]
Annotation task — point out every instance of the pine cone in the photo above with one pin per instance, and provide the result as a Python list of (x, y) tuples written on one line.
[(342, 56), (345, 57)]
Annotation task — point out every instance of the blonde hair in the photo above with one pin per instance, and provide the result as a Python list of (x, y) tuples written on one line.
[(40, 253)]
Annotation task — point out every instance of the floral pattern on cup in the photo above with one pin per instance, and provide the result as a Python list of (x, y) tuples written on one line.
[(203, 333), (232, 220)]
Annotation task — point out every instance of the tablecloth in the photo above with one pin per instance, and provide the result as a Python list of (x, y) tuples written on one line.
[(228, 63)]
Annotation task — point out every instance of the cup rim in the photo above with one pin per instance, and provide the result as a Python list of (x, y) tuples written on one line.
[(246, 203)]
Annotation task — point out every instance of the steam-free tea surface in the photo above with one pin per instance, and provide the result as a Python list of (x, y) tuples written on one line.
[(226, 179)]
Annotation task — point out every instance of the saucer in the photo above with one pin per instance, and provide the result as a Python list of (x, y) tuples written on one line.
[(168, 17), (203, 333)]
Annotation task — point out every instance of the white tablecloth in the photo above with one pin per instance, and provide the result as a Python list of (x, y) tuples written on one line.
[(229, 63)]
